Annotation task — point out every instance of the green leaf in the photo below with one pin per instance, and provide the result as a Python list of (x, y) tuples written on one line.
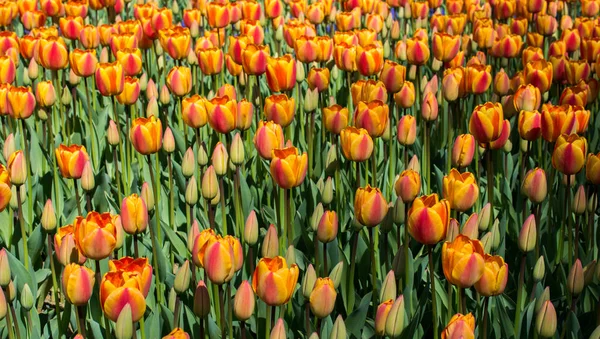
[(356, 320)]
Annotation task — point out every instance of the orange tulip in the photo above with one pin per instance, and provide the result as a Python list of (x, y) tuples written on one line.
[(52, 8), (78, 284), (131, 60), (222, 113), (95, 235), (569, 153), (288, 168), (408, 185), (8, 70), (33, 19), (281, 73), (357, 144), (347, 21), (210, 60), (121, 41), (273, 281), (268, 137), (134, 214), (478, 78), (368, 91), (335, 118), (251, 10), (539, 74), (280, 109), (417, 51), (369, 60), (344, 56), (393, 76), (179, 80), (83, 62), (45, 93), (445, 46), (106, 33), (460, 189), (462, 261), (307, 49), (592, 169), (535, 185), (574, 95), (191, 16), (253, 30), (460, 326), (527, 97), (89, 36), (254, 59), (194, 111), (370, 207), (110, 79), (161, 18), (52, 53), (428, 219), (372, 116), (219, 260), (176, 41), (70, 160), (557, 120), (577, 70), (530, 125), (546, 24), (486, 122), (454, 83), (463, 150), (131, 91), (5, 185), (76, 8), (21, 102), (508, 46), (118, 289), (146, 135), (494, 278), (137, 269), (70, 27)]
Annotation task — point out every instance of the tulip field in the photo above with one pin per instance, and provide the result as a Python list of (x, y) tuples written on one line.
[(299, 169)]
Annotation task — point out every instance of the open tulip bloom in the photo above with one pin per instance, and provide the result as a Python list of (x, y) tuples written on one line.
[(299, 168)]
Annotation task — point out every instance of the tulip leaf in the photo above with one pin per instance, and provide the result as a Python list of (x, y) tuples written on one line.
[(21, 275), (177, 244), (356, 320)]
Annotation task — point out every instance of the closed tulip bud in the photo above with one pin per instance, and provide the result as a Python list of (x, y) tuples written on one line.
[(201, 300), (528, 235), (278, 331), (66, 99), (164, 96), (27, 299), (408, 185), (17, 167), (220, 159), (112, 134), (33, 69), (545, 320), (381, 316), (124, 325), (311, 100), (496, 235), (201, 155), (151, 90), (308, 281), (210, 185), (168, 141), (327, 191), (78, 284), (484, 220), (237, 150), (539, 270), (3, 305), (4, 269), (322, 298), (251, 229), (9, 146), (414, 165), (398, 216), (147, 196), (316, 217), (182, 278), (594, 335), (396, 319), (270, 245), (244, 302), (535, 185), (470, 228), (328, 227), (188, 164), (579, 201), (11, 291), (339, 329), (88, 181), (575, 280), (429, 107), (48, 220), (336, 274), (191, 192), (453, 230), (388, 288)]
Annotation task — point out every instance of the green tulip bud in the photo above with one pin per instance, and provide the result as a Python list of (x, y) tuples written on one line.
[(201, 300), (316, 217), (220, 159), (191, 192), (210, 184), (339, 329), (124, 326), (399, 212), (308, 281), (541, 299), (336, 274), (290, 255), (237, 150), (168, 141), (182, 278), (594, 335), (486, 241), (539, 270), (3, 305), (396, 319), (88, 181), (66, 97), (327, 191), (388, 288), (575, 280), (270, 245), (48, 217), (483, 218), (398, 263), (545, 321), (202, 155), (251, 229), (148, 196), (4, 269), (528, 235), (579, 201), (589, 272)]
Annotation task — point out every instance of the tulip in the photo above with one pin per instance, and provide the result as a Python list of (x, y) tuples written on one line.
[(5, 275), (281, 73), (557, 120), (268, 137), (372, 117), (95, 235), (428, 219), (539, 74), (369, 60), (344, 56), (408, 185), (460, 189), (254, 59), (78, 284), (138, 270), (134, 214), (534, 185), (335, 118), (273, 281), (176, 41), (244, 301), (445, 46), (218, 15), (219, 260), (52, 53), (318, 78), (328, 227), (70, 160), (194, 111), (45, 94), (478, 78), (393, 76), (119, 289), (370, 207), (110, 78), (20, 102), (530, 125), (527, 98), (64, 246), (462, 260), (179, 80), (7, 70), (368, 91), (417, 51), (486, 122), (381, 316), (222, 114), (131, 91), (463, 150), (322, 298), (83, 62), (460, 326), (146, 135), (575, 280), (545, 321), (280, 109), (569, 152), (17, 167), (592, 168), (288, 168), (5, 185)]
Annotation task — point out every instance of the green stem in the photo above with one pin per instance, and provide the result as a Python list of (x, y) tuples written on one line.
[(54, 282), (223, 209), (483, 331), (289, 222), (171, 202), (23, 231), (9, 327), (98, 280), (142, 328), (92, 131), (426, 159), (519, 297), (352, 269), (568, 221), (373, 267), (80, 315), (176, 312), (268, 327), (229, 311), (433, 294), (157, 200), (28, 157), (153, 235), (490, 180)]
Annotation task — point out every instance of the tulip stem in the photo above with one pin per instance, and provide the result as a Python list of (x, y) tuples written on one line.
[(373, 267), (176, 312), (22, 224), (157, 199), (26, 149), (223, 211), (172, 202), (433, 296), (153, 237), (54, 283), (325, 259), (243, 329), (135, 246), (229, 311), (462, 303), (352, 269), (143, 328), (490, 179), (374, 168), (98, 282), (268, 319), (14, 317), (568, 221), (117, 175), (9, 326), (519, 296), (483, 331), (92, 131), (288, 211), (406, 245), (310, 141), (80, 315), (426, 159), (77, 197)]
